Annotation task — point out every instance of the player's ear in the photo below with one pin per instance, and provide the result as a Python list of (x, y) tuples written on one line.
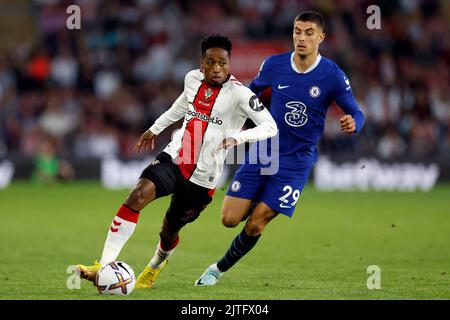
[(202, 67), (321, 37)]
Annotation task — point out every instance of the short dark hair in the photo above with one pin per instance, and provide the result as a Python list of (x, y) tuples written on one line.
[(311, 16), (216, 41)]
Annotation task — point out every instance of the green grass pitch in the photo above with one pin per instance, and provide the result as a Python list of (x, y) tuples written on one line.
[(321, 253)]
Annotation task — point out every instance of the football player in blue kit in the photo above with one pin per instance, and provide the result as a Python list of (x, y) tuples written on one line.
[(304, 84)]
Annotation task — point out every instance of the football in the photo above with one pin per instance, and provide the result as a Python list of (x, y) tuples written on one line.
[(116, 278)]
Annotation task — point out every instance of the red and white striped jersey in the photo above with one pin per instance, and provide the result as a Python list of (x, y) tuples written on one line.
[(210, 115)]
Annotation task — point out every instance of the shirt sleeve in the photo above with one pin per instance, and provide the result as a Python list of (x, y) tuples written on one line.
[(173, 114), (258, 113), (346, 101), (262, 79)]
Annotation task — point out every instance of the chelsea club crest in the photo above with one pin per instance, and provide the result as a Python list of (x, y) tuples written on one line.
[(314, 91), (235, 186)]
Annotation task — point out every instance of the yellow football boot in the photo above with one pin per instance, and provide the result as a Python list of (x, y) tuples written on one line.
[(148, 277), (89, 272)]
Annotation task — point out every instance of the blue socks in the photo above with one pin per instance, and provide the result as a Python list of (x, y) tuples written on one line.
[(242, 244)]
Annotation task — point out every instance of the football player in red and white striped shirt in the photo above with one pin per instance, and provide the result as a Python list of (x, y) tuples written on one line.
[(215, 107)]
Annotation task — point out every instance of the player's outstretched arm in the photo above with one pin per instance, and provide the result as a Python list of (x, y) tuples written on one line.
[(146, 140)]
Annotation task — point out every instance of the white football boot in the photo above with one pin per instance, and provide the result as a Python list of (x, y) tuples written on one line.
[(209, 277)]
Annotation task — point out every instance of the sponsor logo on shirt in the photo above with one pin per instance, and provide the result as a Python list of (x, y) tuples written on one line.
[(255, 104), (297, 117), (347, 82), (191, 113)]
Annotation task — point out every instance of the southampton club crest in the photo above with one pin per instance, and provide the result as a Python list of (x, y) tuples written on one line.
[(208, 94)]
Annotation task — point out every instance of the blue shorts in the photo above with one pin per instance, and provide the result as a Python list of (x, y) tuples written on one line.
[(280, 191)]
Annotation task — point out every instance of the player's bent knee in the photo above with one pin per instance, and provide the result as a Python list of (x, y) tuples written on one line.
[(233, 210), (230, 218), (254, 227), (230, 221)]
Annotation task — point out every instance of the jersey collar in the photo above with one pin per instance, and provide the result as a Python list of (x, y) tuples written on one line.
[(311, 68), (230, 81)]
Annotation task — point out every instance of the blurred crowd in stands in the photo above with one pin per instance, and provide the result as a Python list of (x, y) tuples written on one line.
[(92, 92)]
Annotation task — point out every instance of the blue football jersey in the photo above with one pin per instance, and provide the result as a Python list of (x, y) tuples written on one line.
[(300, 102)]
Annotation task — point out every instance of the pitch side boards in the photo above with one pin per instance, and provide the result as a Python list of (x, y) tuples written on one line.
[(372, 174)]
